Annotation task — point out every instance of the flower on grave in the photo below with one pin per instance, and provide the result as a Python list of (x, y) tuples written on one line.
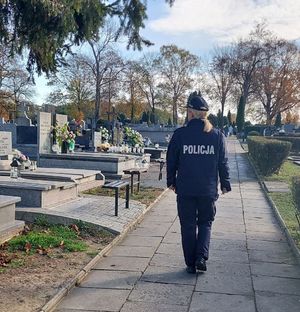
[(21, 158), (133, 137), (64, 134), (104, 134)]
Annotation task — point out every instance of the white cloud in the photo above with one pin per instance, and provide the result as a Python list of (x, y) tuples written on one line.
[(226, 20)]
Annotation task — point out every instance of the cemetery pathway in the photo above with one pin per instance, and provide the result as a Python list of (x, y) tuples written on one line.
[(251, 266)]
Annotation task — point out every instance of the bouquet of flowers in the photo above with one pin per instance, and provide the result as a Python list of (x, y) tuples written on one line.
[(63, 134), (133, 138), (104, 134)]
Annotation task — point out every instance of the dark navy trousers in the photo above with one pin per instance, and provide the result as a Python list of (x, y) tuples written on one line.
[(196, 215)]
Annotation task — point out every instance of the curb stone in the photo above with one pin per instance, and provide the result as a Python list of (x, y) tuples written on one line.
[(78, 278), (275, 210)]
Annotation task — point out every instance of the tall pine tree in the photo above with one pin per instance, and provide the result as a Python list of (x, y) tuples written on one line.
[(240, 117)]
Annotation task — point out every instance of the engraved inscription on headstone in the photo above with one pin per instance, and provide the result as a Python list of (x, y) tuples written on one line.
[(97, 139), (5, 143), (60, 119), (44, 132)]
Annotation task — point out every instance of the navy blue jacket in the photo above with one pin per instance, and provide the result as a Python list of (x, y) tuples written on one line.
[(196, 160)]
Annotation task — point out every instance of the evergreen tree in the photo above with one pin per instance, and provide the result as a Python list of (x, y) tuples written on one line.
[(213, 120), (229, 118), (278, 121), (220, 119), (170, 122), (240, 118), (144, 117)]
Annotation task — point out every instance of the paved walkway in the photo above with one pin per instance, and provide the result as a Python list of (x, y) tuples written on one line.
[(251, 267)]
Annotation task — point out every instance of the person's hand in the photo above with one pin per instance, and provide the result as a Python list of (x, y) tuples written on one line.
[(172, 187), (224, 191)]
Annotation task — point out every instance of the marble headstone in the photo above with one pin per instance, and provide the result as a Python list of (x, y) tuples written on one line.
[(97, 139), (5, 143), (44, 133), (60, 119)]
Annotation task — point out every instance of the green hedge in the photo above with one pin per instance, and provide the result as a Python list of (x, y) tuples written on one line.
[(253, 133), (296, 191), (268, 155), (294, 140)]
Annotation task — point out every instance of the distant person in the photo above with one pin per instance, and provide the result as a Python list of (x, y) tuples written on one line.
[(196, 160), (230, 130)]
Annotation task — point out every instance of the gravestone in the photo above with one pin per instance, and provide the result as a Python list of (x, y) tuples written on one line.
[(44, 133), (5, 150), (23, 119), (61, 120), (97, 139), (5, 143)]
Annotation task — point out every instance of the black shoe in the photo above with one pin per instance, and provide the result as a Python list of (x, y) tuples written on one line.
[(201, 264), (191, 269)]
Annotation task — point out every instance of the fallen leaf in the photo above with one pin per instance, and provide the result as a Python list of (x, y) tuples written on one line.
[(27, 247), (75, 228)]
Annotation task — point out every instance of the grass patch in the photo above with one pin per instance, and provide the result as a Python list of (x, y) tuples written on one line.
[(52, 237), (146, 196), (285, 205), (286, 173)]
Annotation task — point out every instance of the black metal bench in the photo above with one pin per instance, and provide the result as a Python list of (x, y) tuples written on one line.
[(117, 185), (132, 172)]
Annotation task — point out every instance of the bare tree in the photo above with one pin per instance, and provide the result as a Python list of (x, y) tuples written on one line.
[(220, 84), (277, 79), (74, 85), (149, 80), (176, 68), (247, 55)]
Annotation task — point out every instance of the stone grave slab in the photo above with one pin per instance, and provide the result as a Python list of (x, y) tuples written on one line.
[(84, 179), (108, 163), (9, 227), (38, 193), (276, 187)]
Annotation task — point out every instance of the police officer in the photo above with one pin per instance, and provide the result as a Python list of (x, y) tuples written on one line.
[(196, 161)]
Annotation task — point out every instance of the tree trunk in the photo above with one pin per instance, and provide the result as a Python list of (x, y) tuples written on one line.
[(175, 116)]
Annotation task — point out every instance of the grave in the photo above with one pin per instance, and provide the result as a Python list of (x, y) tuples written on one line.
[(109, 164), (84, 179), (9, 227), (156, 153), (38, 193)]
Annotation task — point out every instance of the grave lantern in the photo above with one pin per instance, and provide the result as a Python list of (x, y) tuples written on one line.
[(14, 169)]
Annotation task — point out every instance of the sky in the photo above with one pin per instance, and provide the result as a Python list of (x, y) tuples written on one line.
[(200, 25)]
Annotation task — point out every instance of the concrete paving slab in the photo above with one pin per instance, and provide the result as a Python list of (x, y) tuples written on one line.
[(227, 244), (162, 293), (111, 279), (206, 302), (133, 251), (167, 260), (152, 307), (267, 302), (170, 249), (266, 236), (123, 264), (172, 237), (226, 278), (234, 256), (135, 240), (161, 219), (268, 246), (94, 299), (262, 227), (275, 269), (228, 235), (274, 256), (155, 231), (279, 285), (168, 275)]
